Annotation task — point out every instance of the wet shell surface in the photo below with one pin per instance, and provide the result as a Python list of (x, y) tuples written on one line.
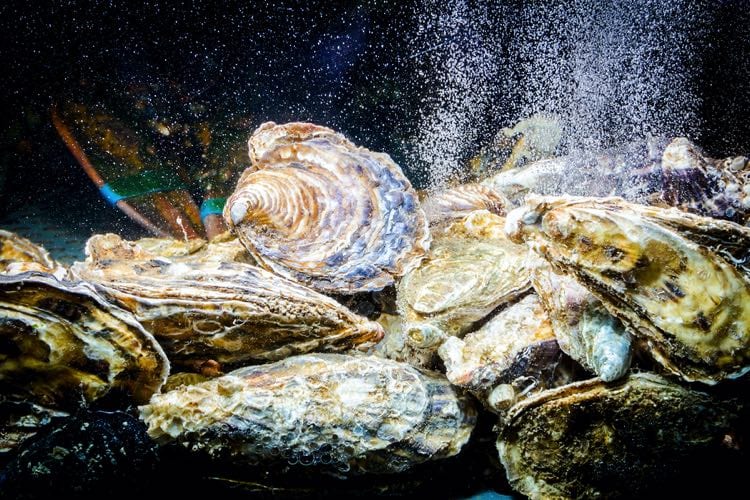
[(515, 354), (460, 201), (472, 269), (673, 278), (19, 255), (319, 210), (358, 413), (583, 327), (227, 312), (672, 173), (62, 345), (620, 440)]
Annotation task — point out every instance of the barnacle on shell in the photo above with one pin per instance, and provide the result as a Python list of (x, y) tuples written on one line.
[(317, 209)]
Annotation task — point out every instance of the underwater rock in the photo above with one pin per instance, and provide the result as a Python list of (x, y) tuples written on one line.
[(512, 356), (673, 278), (583, 327), (91, 455), (338, 412), (317, 209), (225, 312), (472, 269), (655, 172), (460, 201), (627, 439), (61, 344)]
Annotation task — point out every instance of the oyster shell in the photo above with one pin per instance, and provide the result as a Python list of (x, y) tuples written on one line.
[(674, 173), (651, 268), (584, 329), (20, 421), (515, 354), (460, 201), (19, 255), (472, 269), (226, 312), (317, 209), (361, 413), (63, 344), (625, 439)]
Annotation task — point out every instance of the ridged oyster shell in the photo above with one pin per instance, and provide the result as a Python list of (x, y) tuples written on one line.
[(672, 173), (512, 356), (619, 440), (19, 255), (460, 201), (62, 345), (317, 209), (583, 327), (472, 269), (228, 312), (652, 269), (358, 413)]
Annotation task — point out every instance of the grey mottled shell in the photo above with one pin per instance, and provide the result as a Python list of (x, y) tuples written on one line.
[(317, 209), (619, 440), (361, 413), (19, 255), (396, 345), (458, 202), (472, 269), (64, 345), (674, 279), (663, 173), (515, 354), (583, 327), (229, 312)]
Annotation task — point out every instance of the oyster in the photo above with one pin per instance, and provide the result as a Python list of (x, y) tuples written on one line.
[(317, 209), (344, 412), (513, 355), (660, 271), (472, 269), (18, 255), (625, 439), (583, 327), (458, 202), (656, 172), (62, 344), (225, 312)]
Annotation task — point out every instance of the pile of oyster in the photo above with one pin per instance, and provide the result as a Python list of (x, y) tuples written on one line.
[(348, 325)]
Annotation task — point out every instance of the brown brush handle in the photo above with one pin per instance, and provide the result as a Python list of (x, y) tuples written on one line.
[(75, 149), (179, 229), (215, 225)]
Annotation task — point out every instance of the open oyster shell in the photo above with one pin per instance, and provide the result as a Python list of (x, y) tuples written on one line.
[(342, 412), (512, 356), (624, 439), (472, 269), (228, 312), (651, 267), (317, 209), (583, 327), (62, 345)]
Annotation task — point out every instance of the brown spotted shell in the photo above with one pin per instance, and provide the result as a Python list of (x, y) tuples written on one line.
[(228, 312), (319, 210), (358, 413), (678, 281), (64, 344)]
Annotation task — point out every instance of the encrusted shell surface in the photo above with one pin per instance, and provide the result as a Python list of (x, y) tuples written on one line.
[(666, 173), (19, 255), (359, 413), (652, 269), (228, 312), (515, 354), (63, 344), (460, 201), (583, 327), (317, 209), (626, 439), (472, 269)]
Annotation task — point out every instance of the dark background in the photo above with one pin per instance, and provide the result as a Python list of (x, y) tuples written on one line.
[(343, 64)]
